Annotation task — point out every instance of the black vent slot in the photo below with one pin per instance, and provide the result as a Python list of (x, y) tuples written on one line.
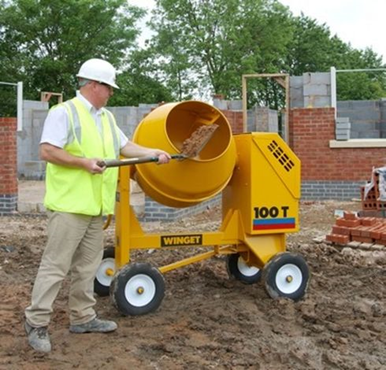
[(281, 156)]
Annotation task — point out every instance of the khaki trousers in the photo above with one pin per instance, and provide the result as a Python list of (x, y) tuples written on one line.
[(75, 245)]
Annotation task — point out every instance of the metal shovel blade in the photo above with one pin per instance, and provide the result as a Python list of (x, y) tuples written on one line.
[(193, 145)]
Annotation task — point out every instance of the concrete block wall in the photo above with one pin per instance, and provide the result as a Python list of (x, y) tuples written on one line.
[(156, 212), (29, 164), (222, 104), (267, 120), (296, 92), (8, 166), (366, 118), (128, 117), (382, 123), (260, 119), (317, 90), (342, 128), (327, 190), (311, 90), (329, 173)]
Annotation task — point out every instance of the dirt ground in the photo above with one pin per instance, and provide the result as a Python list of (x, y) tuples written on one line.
[(206, 320)]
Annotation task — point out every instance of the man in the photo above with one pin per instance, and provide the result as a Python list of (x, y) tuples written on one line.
[(76, 136)]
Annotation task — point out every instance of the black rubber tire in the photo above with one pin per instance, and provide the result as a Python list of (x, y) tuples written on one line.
[(294, 263), (233, 268), (100, 287), (119, 287)]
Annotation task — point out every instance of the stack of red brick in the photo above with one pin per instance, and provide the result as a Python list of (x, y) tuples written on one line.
[(371, 202), (350, 227)]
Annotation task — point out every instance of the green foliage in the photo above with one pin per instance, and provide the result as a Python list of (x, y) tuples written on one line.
[(44, 42), (198, 48), (137, 85), (312, 48), (209, 44), (361, 85), (139, 89), (8, 96)]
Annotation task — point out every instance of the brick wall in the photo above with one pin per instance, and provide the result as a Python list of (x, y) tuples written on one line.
[(235, 119), (8, 165), (331, 173)]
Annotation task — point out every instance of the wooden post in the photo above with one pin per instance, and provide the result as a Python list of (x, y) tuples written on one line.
[(283, 80)]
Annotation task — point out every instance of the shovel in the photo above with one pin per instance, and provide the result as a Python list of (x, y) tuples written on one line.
[(191, 147)]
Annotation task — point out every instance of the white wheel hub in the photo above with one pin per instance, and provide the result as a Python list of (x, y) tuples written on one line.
[(289, 278), (140, 290), (104, 278), (245, 269)]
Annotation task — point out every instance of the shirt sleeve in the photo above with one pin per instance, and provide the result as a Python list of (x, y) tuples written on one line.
[(56, 127), (123, 137)]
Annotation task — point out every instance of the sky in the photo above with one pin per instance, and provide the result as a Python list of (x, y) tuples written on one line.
[(358, 22)]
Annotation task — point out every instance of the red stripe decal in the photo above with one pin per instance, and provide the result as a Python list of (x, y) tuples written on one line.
[(272, 227)]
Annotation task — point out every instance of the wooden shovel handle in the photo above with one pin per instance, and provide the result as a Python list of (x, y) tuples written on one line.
[(130, 161)]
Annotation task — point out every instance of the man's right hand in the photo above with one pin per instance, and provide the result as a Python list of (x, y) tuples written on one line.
[(94, 165), (59, 156)]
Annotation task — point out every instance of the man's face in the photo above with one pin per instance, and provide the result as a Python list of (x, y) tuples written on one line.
[(102, 93)]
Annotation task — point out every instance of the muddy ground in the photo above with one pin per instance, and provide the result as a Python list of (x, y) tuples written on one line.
[(206, 320)]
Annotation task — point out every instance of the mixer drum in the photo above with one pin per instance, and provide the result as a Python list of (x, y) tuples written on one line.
[(187, 182)]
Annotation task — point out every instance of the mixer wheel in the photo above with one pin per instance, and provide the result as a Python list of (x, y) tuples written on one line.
[(286, 275), (237, 268), (105, 273), (137, 289)]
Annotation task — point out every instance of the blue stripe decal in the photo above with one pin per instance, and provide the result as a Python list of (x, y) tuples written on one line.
[(274, 221)]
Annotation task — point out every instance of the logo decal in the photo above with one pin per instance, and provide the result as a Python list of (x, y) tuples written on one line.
[(180, 240)]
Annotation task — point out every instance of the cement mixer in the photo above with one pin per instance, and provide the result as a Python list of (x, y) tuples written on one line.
[(258, 177)]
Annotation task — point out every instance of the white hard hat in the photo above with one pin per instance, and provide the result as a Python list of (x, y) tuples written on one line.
[(98, 70)]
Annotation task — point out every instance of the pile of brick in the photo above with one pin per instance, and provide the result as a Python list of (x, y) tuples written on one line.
[(371, 203), (351, 228), (369, 226)]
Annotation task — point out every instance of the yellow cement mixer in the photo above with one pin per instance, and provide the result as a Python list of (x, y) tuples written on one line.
[(259, 178)]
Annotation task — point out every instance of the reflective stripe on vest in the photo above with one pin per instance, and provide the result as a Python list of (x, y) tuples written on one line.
[(78, 130)]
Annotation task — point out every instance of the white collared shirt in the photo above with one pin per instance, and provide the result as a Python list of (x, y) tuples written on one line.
[(57, 125)]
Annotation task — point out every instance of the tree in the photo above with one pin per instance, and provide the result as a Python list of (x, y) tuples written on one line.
[(44, 42), (208, 45), (138, 84), (365, 85), (211, 43), (172, 64), (312, 48)]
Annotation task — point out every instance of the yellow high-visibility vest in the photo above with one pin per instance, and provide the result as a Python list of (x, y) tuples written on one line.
[(75, 190)]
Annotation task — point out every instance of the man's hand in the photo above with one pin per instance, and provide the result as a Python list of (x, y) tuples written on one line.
[(56, 155), (163, 157), (94, 166)]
